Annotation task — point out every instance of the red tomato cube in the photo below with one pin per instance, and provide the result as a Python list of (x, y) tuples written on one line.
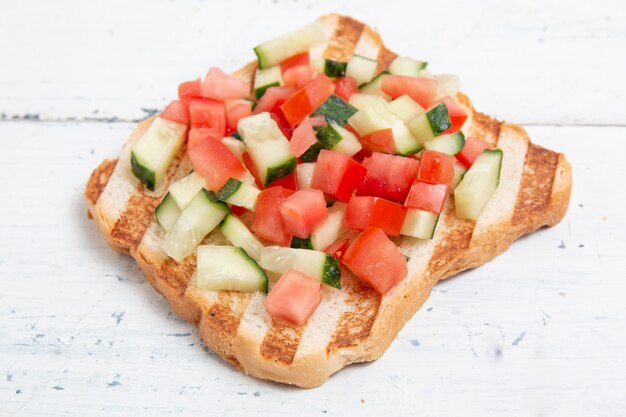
[(218, 85), (304, 101), (379, 141), (363, 212), (338, 248), (388, 176), (376, 260), (204, 112), (188, 90), (271, 97), (176, 112), (337, 175), (236, 110), (436, 168), (345, 87), (358, 212), (267, 222), (289, 182), (303, 137), (303, 211), (294, 297), (428, 197), (295, 61), (473, 147), (421, 89), (298, 76)]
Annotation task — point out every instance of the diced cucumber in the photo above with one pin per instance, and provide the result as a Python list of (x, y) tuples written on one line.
[(228, 268), (459, 172), (186, 188), (167, 213), (268, 147), (419, 223), (153, 153), (266, 78), (377, 116), (448, 85), (478, 184), (336, 138), (312, 153), (239, 235), (406, 66), (304, 175), (276, 50), (239, 194), (316, 264), (334, 68), (375, 86), (236, 134), (452, 143), (361, 69), (201, 216), (406, 108), (359, 100), (236, 146), (326, 233), (430, 124), (335, 109)]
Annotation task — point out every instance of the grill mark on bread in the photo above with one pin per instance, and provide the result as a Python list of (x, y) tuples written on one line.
[(281, 342), (485, 127), (540, 167), (344, 39), (385, 58), (130, 228), (98, 180), (177, 275), (221, 319)]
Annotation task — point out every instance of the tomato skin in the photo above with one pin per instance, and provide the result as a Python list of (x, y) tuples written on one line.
[(428, 197), (376, 260), (388, 176), (298, 76), (295, 61), (345, 87), (304, 101), (363, 212), (277, 115), (271, 97), (176, 112), (237, 111), (303, 211), (293, 298), (455, 112), (218, 85), (303, 137), (337, 175), (289, 182), (267, 222), (436, 168), (358, 212), (422, 90), (212, 159), (247, 160), (188, 90), (473, 147), (204, 112), (338, 248), (379, 141)]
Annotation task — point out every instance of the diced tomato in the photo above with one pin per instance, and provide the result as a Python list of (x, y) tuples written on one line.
[(303, 211), (272, 96), (379, 141), (220, 86), (362, 212), (212, 159), (294, 297), (429, 197), (238, 211), (388, 176), (436, 168), (298, 76), (473, 147), (295, 61), (289, 182), (267, 222), (236, 110), (376, 260), (247, 160), (421, 89), (304, 101), (455, 112), (277, 115), (188, 90), (176, 112), (303, 137), (204, 112), (337, 174), (338, 248), (345, 87)]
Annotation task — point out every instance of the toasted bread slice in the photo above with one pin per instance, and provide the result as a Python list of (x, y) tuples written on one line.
[(354, 324)]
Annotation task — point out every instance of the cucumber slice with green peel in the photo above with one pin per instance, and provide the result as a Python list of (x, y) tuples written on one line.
[(334, 68), (236, 135), (154, 151), (276, 50), (311, 154), (378, 116), (406, 108), (420, 224), (267, 146), (375, 86), (459, 172), (266, 78), (359, 100), (236, 146), (449, 85), (335, 109), (407, 66), (239, 194), (336, 138), (452, 143), (167, 213), (431, 123), (326, 233), (361, 69), (196, 221), (239, 235), (304, 175), (186, 188), (478, 184), (228, 268), (316, 264)]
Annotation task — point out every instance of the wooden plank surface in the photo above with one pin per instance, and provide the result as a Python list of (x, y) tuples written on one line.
[(538, 331)]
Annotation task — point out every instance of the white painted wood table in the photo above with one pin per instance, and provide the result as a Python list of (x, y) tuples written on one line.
[(540, 331)]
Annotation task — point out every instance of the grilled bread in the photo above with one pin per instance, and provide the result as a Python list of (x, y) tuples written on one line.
[(354, 324)]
